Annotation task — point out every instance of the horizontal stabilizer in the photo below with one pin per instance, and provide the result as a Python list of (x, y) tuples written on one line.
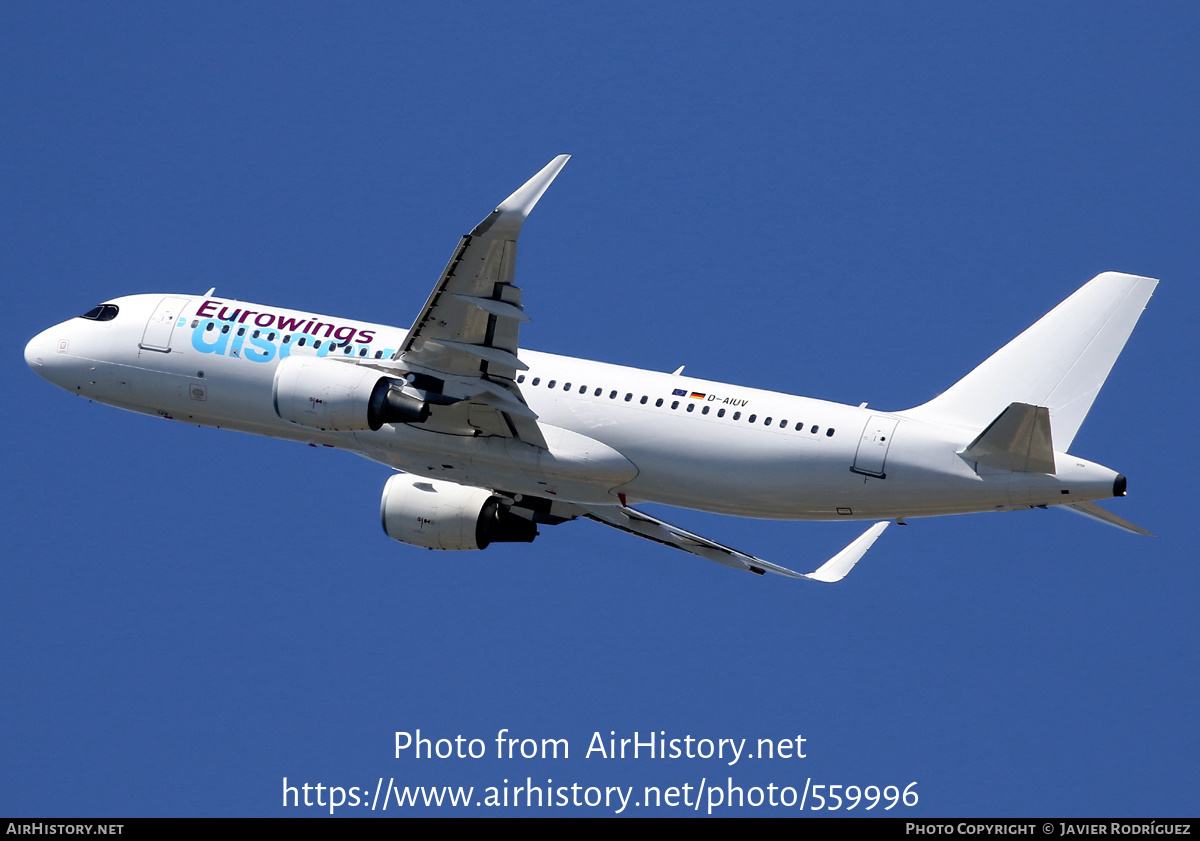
[(1018, 439), (1091, 509), (639, 523)]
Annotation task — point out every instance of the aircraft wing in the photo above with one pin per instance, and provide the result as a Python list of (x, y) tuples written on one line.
[(643, 525), (462, 347)]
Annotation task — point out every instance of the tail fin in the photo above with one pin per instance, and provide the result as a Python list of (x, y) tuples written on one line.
[(1060, 362)]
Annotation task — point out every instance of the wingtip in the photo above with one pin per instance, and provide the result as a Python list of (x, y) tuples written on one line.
[(839, 566), (523, 200), (509, 216)]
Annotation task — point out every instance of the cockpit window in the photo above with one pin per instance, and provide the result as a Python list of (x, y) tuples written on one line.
[(104, 312)]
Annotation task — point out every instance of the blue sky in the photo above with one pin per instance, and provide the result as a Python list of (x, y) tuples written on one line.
[(852, 202)]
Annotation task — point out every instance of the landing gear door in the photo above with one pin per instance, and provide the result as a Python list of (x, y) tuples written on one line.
[(161, 324), (873, 446)]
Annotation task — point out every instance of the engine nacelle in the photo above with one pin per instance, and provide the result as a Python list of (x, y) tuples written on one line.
[(328, 394), (443, 515)]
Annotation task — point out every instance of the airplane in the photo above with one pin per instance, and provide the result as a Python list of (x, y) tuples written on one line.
[(490, 441)]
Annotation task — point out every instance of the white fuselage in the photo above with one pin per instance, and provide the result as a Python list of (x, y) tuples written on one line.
[(612, 431)]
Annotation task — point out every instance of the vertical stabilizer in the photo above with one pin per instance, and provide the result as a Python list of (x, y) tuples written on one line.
[(1060, 362)]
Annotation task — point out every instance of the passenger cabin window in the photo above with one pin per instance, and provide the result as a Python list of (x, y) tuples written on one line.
[(658, 402), (829, 432), (520, 377), (103, 312)]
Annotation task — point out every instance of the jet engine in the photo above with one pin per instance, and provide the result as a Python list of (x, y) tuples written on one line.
[(329, 394), (442, 515)]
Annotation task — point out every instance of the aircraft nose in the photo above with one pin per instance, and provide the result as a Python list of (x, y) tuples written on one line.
[(44, 352), (36, 352)]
